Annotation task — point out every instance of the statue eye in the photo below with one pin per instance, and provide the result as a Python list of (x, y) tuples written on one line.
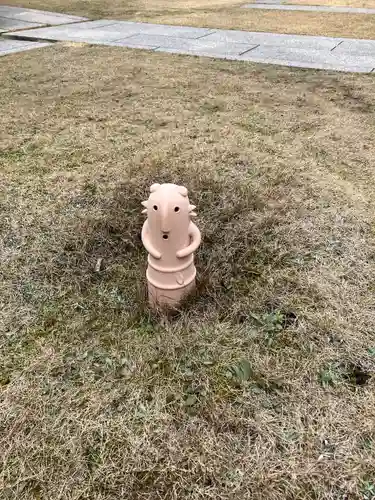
[(176, 209), (155, 207)]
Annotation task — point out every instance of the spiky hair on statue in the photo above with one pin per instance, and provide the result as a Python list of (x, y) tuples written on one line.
[(180, 189)]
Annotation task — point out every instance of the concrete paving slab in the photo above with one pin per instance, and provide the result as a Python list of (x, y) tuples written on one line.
[(70, 33), (10, 43), (289, 55), (90, 36), (217, 54), (310, 8), (89, 25), (277, 2), (38, 34), (112, 31), (356, 47), (11, 46), (274, 39), (126, 43), (248, 56), (41, 18), (37, 16), (201, 44), (15, 24), (311, 65), (161, 29)]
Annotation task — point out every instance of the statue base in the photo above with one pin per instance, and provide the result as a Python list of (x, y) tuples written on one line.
[(159, 297)]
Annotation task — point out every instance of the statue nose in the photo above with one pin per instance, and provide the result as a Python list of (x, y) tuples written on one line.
[(164, 225), (164, 220)]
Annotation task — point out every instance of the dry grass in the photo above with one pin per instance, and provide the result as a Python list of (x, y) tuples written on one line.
[(301, 23), (215, 14), (121, 8), (100, 399)]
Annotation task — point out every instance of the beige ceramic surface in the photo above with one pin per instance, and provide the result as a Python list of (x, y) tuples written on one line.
[(171, 238)]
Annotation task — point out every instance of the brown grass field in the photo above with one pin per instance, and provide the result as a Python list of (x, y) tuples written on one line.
[(262, 386), (216, 14), (300, 23)]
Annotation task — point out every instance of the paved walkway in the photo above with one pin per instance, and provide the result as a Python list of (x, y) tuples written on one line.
[(276, 5), (16, 18), (277, 2), (289, 50), (340, 54), (10, 46)]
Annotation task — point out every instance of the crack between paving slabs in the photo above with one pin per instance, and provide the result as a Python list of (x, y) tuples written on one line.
[(203, 36), (8, 34), (149, 47), (28, 38), (95, 27), (139, 46), (335, 47), (126, 37), (11, 36), (49, 40), (166, 36), (249, 50)]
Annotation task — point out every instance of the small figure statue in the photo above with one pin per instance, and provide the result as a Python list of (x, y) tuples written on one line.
[(171, 238)]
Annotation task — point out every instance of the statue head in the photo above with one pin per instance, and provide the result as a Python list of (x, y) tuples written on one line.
[(168, 208)]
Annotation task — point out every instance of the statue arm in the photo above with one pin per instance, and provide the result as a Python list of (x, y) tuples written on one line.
[(195, 241), (147, 243)]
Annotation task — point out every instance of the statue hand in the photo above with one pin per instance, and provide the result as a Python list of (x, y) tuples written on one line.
[(182, 253)]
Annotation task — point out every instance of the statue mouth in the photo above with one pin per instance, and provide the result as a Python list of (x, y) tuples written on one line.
[(165, 235)]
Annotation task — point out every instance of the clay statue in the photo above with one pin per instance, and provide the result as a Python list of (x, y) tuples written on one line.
[(171, 238)]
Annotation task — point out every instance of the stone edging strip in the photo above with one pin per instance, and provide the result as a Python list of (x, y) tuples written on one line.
[(308, 8)]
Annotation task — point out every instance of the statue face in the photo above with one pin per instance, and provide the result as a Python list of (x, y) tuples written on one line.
[(168, 209)]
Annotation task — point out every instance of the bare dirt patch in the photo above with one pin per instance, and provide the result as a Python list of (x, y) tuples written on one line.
[(260, 387)]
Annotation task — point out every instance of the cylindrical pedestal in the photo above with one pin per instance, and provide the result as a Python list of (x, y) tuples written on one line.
[(158, 297), (168, 286)]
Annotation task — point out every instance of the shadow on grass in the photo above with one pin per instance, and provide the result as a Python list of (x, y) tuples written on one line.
[(236, 256)]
